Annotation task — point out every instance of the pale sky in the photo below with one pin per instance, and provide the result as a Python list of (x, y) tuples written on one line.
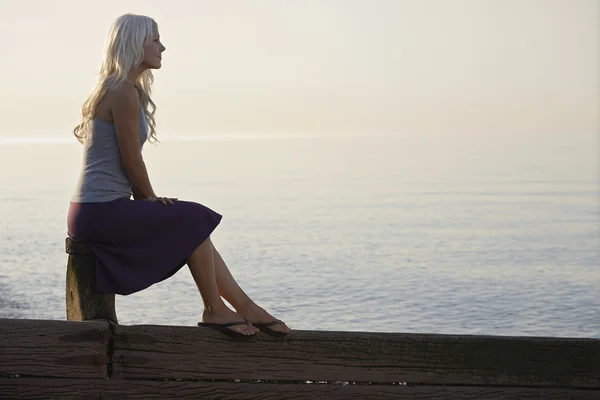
[(385, 66)]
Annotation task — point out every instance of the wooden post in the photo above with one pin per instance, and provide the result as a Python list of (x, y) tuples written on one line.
[(83, 302)]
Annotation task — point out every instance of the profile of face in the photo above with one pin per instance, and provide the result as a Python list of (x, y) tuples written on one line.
[(153, 50)]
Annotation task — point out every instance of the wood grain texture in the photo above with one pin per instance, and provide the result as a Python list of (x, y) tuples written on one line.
[(147, 352), (85, 389), (43, 348), (73, 247), (83, 302)]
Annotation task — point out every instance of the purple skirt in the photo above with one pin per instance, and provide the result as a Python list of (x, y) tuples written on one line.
[(139, 243)]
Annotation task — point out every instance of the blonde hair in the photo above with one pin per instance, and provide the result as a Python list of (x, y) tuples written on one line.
[(124, 49)]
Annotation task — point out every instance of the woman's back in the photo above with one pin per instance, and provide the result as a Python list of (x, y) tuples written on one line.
[(102, 177)]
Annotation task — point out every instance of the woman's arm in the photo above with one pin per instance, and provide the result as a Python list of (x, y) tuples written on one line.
[(137, 195), (125, 112)]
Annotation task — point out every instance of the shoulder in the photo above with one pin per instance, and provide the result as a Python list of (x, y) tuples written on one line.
[(123, 103), (118, 100), (124, 94)]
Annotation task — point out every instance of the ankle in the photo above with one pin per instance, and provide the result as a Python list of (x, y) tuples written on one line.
[(244, 306), (215, 308)]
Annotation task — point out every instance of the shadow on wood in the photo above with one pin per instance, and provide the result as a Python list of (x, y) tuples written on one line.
[(83, 302), (98, 359)]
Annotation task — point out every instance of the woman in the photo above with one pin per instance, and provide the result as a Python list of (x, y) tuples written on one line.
[(143, 241)]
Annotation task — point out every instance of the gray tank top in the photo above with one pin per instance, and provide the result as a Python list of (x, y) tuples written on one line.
[(102, 177)]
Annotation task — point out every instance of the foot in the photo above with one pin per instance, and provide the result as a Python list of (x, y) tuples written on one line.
[(257, 315), (226, 316)]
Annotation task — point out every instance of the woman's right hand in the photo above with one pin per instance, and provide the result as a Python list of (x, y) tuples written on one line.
[(162, 200)]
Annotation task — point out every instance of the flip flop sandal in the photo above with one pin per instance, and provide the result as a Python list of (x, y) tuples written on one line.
[(266, 328), (224, 328)]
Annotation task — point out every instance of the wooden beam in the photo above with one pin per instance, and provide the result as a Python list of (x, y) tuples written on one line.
[(58, 349), (41, 359), (85, 389), (153, 352)]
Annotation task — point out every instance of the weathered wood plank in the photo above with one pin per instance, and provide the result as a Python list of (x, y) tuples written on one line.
[(85, 389), (44, 348), (147, 352)]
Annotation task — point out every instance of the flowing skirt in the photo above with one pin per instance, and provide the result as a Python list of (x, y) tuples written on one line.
[(139, 243)]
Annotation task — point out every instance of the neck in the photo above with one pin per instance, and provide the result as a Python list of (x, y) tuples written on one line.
[(135, 72)]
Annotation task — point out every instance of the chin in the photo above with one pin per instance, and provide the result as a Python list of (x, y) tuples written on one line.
[(154, 65)]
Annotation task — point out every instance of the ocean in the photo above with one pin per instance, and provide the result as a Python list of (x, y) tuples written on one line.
[(459, 234)]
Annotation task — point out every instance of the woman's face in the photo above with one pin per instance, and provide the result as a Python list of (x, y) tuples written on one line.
[(153, 51)]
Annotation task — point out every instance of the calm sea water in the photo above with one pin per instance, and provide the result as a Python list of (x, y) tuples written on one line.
[(446, 234)]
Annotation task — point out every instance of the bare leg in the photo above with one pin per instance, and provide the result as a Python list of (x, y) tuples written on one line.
[(228, 287), (233, 293), (202, 266)]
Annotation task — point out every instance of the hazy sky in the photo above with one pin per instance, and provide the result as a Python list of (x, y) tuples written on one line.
[(414, 66)]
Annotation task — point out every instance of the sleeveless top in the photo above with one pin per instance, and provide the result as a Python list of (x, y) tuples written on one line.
[(102, 177)]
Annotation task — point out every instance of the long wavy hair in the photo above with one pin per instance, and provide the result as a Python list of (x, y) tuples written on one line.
[(124, 49)]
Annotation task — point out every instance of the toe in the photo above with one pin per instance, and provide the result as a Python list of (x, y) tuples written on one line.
[(282, 327), (249, 329)]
